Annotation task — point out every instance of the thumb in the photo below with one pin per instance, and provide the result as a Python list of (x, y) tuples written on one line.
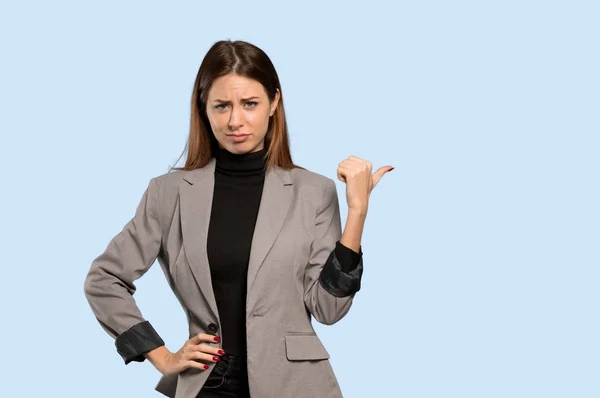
[(379, 173)]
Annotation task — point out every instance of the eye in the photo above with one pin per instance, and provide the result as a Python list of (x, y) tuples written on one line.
[(254, 103), (219, 106)]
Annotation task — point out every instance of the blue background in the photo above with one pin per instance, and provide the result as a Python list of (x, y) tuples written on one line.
[(480, 249)]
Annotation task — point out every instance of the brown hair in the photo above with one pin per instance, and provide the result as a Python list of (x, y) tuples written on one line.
[(244, 59)]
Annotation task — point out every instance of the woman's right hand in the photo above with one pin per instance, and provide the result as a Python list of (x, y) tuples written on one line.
[(196, 348)]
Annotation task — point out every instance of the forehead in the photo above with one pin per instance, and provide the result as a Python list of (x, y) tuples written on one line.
[(234, 85)]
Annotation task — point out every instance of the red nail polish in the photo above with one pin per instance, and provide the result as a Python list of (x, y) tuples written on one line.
[(216, 359), (205, 367), (217, 339), (392, 168), (221, 352)]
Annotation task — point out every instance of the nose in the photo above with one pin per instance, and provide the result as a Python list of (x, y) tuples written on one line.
[(235, 118)]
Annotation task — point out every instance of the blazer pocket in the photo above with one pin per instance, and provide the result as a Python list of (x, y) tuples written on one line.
[(303, 347)]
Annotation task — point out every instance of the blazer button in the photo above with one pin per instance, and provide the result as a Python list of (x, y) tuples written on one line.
[(212, 327)]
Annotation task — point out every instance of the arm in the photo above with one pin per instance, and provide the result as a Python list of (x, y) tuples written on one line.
[(334, 271), (109, 284)]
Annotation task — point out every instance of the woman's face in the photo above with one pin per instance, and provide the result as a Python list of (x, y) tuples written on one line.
[(238, 110)]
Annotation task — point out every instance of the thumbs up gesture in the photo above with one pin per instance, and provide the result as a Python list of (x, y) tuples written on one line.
[(356, 174)]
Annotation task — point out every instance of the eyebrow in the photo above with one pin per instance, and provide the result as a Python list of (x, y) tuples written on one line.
[(243, 99)]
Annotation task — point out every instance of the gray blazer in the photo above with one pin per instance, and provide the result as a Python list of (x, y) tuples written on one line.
[(296, 231)]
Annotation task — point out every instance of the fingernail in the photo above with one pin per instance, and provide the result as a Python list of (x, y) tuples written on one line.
[(216, 359), (205, 367), (221, 352), (217, 339), (392, 168)]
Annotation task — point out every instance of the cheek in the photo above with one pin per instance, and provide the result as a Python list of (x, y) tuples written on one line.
[(258, 119), (217, 122)]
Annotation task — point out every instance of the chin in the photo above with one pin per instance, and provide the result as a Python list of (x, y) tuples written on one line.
[(243, 147)]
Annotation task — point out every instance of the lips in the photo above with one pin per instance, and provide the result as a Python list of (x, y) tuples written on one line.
[(238, 137)]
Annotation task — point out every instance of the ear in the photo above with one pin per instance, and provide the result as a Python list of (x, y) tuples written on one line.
[(275, 103)]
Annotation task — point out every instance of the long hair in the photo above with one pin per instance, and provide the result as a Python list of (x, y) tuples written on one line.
[(244, 59)]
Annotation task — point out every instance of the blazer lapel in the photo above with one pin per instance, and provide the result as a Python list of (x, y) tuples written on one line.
[(196, 195), (272, 212), (195, 201)]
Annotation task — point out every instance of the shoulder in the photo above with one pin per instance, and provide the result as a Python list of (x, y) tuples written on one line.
[(310, 178), (315, 187), (166, 186), (169, 178)]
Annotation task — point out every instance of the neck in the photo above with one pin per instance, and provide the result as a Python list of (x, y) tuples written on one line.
[(252, 163)]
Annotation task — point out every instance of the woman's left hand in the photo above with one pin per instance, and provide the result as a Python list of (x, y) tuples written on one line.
[(356, 174)]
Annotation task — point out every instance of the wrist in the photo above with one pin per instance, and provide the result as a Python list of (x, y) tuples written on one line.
[(358, 211), (158, 357)]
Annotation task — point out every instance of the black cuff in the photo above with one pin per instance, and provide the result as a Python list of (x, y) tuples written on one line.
[(336, 281), (136, 341), (349, 259)]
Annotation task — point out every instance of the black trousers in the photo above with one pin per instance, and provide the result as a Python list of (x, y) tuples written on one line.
[(229, 378)]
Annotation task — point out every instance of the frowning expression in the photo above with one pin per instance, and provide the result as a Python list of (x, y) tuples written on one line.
[(238, 111)]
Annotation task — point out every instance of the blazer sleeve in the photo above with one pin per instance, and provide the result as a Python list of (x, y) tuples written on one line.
[(109, 284), (333, 272)]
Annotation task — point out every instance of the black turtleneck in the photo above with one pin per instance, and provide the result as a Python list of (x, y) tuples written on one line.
[(239, 180)]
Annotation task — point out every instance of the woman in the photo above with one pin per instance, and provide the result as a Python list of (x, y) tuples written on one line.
[(249, 242)]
